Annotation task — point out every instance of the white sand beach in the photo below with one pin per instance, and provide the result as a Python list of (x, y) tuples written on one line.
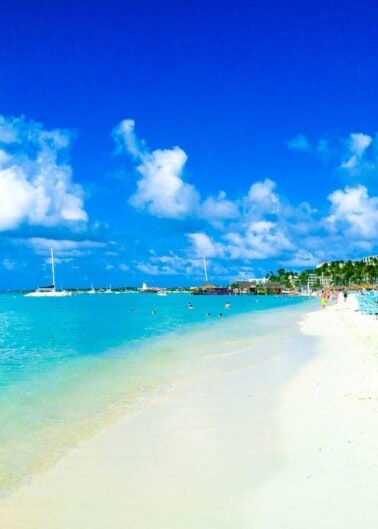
[(225, 452)]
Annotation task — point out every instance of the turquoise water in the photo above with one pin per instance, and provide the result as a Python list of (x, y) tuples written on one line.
[(69, 366)]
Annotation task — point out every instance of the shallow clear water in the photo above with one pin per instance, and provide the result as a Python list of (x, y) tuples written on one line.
[(70, 365)]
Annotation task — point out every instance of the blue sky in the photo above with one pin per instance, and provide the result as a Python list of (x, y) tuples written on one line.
[(138, 136)]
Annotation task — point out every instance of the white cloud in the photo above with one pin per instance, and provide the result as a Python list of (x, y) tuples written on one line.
[(4, 158), (203, 245), (190, 265), (357, 145), (35, 180), (261, 199), (354, 211), (219, 208), (8, 133), (299, 143), (161, 190), (256, 240), (125, 138), (262, 224), (64, 246), (302, 258), (260, 240), (355, 155), (159, 269), (16, 198)]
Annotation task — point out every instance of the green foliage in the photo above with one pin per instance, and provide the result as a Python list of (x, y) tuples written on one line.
[(336, 273)]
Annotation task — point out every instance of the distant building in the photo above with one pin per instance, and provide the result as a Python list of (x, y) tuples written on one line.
[(245, 287), (367, 260), (272, 287), (370, 259), (311, 280), (208, 288), (257, 287)]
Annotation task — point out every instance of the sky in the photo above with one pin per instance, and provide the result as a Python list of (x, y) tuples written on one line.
[(138, 137)]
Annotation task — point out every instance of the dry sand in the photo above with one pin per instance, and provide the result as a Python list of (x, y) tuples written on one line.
[(225, 452), (329, 412)]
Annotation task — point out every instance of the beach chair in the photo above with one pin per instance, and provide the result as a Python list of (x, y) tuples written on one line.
[(368, 304)]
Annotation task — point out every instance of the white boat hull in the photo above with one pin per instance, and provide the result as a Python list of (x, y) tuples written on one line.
[(52, 294)]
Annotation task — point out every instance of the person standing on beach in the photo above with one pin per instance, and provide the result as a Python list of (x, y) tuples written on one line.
[(345, 294), (323, 299)]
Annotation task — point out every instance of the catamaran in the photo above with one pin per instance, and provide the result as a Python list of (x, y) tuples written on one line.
[(49, 291)]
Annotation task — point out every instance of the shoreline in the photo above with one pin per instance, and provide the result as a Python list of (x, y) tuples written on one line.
[(232, 450), (329, 430)]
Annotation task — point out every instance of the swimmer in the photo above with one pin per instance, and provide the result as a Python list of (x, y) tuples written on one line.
[(228, 305)]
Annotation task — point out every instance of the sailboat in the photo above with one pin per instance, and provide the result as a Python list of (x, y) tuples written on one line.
[(208, 288), (92, 290), (49, 291)]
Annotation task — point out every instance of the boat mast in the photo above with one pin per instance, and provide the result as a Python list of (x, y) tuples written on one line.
[(205, 268), (52, 267)]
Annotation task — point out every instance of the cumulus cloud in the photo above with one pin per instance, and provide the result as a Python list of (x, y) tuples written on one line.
[(261, 199), (204, 245), (258, 240), (219, 208), (161, 189), (354, 211), (262, 224), (36, 185), (253, 240), (302, 258)]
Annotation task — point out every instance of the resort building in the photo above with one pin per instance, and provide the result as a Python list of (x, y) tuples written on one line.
[(370, 259), (257, 287)]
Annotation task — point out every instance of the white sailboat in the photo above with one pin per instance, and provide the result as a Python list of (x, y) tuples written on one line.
[(49, 291), (205, 269), (92, 290)]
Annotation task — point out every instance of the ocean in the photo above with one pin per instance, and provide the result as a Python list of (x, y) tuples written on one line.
[(71, 366)]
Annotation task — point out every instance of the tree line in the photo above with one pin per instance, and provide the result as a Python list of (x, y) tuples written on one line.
[(335, 273)]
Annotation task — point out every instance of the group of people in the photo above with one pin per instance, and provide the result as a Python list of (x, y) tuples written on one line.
[(331, 296)]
